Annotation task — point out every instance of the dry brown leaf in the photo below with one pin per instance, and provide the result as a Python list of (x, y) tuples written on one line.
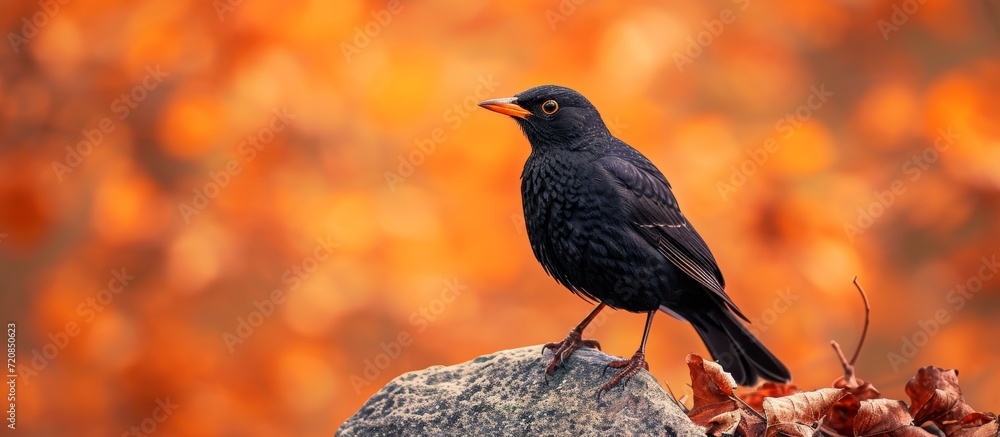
[(752, 424), (978, 419), (937, 397), (840, 418), (716, 406), (789, 430), (805, 407), (864, 390), (710, 383), (990, 429), (768, 390), (717, 419), (881, 416), (976, 425), (907, 431)]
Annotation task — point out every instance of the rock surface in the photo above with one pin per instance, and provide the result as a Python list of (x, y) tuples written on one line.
[(505, 393)]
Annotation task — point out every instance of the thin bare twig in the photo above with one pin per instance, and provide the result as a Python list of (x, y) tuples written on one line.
[(849, 374), (755, 412), (848, 367), (864, 331), (676, 402)]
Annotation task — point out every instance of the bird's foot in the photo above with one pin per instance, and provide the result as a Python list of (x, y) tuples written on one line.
[(628, 368), (565, 348)]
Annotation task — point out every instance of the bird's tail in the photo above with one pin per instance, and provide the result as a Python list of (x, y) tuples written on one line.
[(735, 347)]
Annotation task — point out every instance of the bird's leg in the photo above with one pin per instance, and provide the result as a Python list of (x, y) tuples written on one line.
[(572, 342), (632, 365)]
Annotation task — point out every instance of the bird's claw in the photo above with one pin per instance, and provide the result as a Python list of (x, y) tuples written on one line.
[(628, 368), (563, 349)]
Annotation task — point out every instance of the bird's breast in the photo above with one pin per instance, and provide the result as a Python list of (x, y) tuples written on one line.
[(565, 212)]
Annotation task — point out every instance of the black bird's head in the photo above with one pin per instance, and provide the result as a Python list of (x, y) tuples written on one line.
[(553, 117)]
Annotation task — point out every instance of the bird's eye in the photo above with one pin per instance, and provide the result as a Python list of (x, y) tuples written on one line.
[(550, 107)]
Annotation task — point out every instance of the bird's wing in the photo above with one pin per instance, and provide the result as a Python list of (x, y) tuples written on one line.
[(655, 215)]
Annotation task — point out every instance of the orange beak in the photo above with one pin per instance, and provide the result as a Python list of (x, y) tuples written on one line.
[(506, 106)]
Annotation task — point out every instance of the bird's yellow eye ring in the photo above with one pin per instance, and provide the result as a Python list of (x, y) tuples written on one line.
[(550, 107)]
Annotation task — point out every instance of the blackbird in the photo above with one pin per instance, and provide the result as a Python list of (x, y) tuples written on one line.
[(603, 222)]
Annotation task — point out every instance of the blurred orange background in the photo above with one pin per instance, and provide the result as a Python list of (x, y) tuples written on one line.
[(243, 218)]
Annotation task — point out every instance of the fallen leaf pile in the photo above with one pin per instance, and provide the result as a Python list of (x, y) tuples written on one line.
[(846, 409), (852, 407)]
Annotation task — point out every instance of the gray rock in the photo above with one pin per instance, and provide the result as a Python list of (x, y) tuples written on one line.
[(505, 393)]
